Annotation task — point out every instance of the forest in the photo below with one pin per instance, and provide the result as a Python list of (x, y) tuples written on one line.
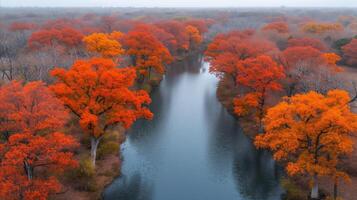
[(114, 103)]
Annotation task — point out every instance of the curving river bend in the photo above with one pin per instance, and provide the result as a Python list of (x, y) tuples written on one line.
[(192, 149)]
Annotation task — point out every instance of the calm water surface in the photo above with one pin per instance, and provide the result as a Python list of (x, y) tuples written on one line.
[(193, 149)]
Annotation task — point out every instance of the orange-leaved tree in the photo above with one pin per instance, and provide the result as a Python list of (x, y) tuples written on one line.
[(260, 76), (194, 35), (66, 37), (28, 163), (100, 95), (106, 45), (167, 39), (279, 27), (310, 131), (147, 53), (321, 28), (30, 118), (307, 42), (229, 48), (29, 108), (331, 60), (178, 30)]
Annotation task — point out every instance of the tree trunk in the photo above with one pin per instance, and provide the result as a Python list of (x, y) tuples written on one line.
[(93, 150), (315, 188), (335, 191), (28, 169), (149, 75)]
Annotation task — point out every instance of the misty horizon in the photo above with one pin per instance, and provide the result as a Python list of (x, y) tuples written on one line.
[(182, 4)]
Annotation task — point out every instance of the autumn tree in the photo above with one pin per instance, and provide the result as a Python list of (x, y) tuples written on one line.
[(30, 108), (299, 61), (166, 38), (178, 30), (350, 52), (147, 53), (194, 35), (310, 131), (100, 95), (201, 24), (221, 42), (227, 49), (106, 45), (279, 27), (34, 150), (26, 158), (21, 26), (260, 76), (331, 59), (66, 37), (55, 45), (61, 23), (321, 28), (307, 42)]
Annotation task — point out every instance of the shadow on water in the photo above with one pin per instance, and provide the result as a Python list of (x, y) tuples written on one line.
[(133, 188), (192, 149)]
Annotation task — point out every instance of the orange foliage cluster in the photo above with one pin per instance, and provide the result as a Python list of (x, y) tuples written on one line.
[(321, 28), (261, 76), (99, 94), (311, 131), (228, 49), (306, 41), (147, 53), (30, 118), (66, 37), (96, 90), (106, 45), (150, 46), (186, 35), (301, 55), (30, 108), (279, 27)]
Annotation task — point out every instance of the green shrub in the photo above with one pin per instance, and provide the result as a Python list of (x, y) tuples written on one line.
[(86, 168), (338, 44), (107, 148)]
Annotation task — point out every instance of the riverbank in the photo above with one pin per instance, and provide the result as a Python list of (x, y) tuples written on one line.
[(87, 183), (195, 142), (347, 191)]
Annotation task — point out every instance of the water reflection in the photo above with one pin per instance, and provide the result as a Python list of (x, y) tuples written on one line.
[(132, 188), (193, 149)]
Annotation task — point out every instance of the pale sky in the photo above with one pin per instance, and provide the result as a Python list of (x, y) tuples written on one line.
[(178, 3)]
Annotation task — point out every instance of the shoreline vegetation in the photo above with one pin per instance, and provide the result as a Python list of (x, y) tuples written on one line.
[(286, 84), (109, 67), (72, 83), (297, 187)]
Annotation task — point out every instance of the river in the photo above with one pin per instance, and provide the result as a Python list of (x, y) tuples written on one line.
[(192, 149)]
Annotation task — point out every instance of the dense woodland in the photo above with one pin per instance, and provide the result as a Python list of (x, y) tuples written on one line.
[(73, 80)]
